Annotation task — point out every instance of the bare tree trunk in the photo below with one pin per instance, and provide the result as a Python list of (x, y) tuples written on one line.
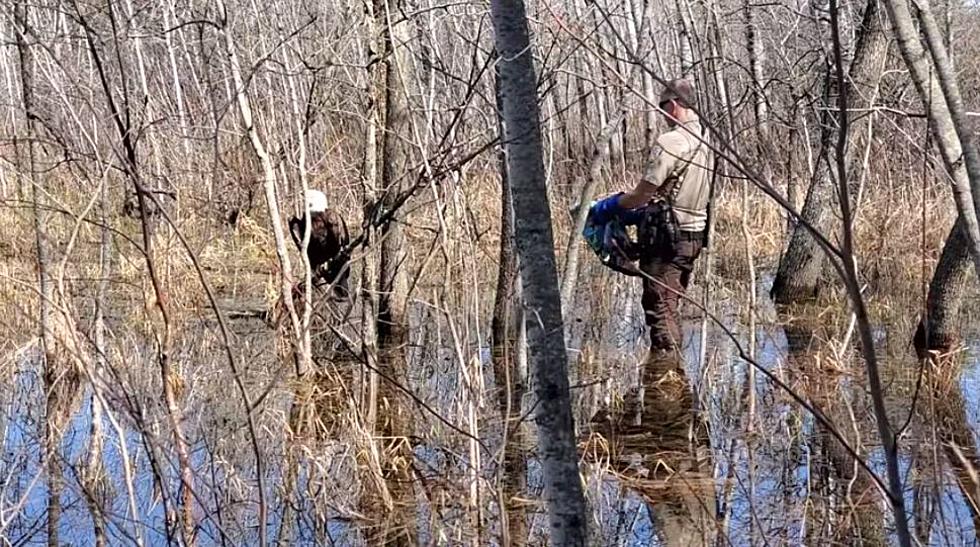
[(888, 437), (300, 342), (649, 90), (121, 119), (509, 380), (949, 84), (378, 496), (51, 368), (535, 247), (600, 154), (937, 331), (685, 49), (800, 267), (946, 115), (392, 302), (608, 40), (756, 60), (602, 74), (95, 480), (391, 89), (799, 273), (373, 156), (584, 64)]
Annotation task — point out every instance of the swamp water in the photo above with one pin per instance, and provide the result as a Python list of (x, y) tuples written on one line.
[(669, 452)]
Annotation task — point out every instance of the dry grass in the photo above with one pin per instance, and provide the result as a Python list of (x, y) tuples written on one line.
[(455, 273), (240, 262), (888, 235)]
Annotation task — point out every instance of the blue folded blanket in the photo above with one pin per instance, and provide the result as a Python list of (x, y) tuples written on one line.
[(611, 242)]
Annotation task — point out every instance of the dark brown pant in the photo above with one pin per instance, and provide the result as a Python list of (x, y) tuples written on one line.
[(670, 269)]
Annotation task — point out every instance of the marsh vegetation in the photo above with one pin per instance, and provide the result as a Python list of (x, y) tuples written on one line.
[(172, 373)]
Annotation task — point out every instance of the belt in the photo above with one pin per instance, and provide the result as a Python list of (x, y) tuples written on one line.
[(690, 236)]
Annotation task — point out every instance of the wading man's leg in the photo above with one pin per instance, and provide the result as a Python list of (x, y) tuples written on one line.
[(670, 272)]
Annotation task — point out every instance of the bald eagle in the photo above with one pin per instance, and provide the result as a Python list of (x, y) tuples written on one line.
[(328, 238)]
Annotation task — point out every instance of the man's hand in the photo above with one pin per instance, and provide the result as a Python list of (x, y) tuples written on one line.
[(604, 210)]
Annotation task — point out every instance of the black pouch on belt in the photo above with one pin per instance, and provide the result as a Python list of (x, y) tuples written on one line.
[(659, 230)]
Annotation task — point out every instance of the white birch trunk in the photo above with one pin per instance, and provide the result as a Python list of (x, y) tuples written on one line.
[(965, 174)]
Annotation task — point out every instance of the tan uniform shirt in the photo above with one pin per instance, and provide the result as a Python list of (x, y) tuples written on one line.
[(681, 158)]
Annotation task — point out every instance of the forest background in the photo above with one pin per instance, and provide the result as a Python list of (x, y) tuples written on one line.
[(161, 383)]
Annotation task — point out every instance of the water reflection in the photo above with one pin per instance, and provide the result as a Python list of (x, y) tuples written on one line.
[(946, 431), (845, 505), (796, 486), (659, 446)]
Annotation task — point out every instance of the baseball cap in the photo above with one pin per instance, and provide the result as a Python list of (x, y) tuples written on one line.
[(680, 90)]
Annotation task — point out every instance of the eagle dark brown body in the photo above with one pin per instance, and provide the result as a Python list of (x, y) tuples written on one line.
[(328, 237)]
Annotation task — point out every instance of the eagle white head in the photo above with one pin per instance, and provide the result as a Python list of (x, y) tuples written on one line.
[(316, 201)]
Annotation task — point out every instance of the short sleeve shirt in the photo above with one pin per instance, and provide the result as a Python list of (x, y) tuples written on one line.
[(682, 161)]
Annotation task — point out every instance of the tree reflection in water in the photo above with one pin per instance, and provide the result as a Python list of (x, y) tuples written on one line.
[(658, 445)]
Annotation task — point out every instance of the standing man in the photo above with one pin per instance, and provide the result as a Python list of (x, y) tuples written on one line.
[(674, 190)]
